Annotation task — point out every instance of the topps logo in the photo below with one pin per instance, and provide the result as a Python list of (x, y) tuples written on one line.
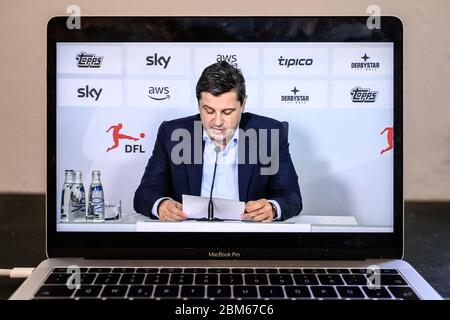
[(88, 60), (221, 254), (360, 95)]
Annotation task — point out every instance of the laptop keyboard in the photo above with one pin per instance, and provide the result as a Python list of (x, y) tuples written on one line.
[(225, 283)]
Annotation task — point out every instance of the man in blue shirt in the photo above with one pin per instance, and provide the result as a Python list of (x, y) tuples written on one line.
[(253, 164)]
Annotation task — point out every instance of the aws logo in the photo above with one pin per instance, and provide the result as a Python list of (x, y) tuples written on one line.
[(230, 58), (117, 137), (159, 93)]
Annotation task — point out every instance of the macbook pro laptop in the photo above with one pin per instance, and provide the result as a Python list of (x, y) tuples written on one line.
[(334, 88)]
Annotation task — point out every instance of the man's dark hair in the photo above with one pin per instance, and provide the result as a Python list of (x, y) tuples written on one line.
[(219, 78)]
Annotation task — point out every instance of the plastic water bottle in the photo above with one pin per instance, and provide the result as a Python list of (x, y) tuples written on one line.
[(78, 199), (96, 209), (65, 196)]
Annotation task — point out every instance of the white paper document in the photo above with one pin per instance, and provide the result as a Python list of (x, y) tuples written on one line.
[(197, 207)]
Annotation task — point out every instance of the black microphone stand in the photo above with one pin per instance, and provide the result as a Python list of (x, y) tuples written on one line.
[(211, 204)]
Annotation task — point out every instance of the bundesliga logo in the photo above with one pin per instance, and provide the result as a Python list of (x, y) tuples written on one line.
[(88, 60), (363, 95)]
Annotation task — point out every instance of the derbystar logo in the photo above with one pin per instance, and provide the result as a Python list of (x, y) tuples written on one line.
[(366, 65), (362, 95), (88, 60), (118, 136), (295, 98)]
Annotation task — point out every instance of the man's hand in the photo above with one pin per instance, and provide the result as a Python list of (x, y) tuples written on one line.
[(170, 210), (259, 210)]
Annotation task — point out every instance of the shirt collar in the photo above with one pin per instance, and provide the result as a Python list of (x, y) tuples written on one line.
[(234, 138)]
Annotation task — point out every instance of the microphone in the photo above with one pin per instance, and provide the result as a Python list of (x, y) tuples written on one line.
[(211, 204)]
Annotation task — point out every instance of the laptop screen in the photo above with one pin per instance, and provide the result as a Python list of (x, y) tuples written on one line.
[(307, 136)]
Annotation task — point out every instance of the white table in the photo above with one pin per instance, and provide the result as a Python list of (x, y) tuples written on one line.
[(301, 223)]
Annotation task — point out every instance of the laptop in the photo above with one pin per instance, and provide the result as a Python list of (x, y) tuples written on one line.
[(331, 86)]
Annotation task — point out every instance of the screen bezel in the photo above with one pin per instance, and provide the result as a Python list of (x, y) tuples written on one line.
[(137, 245)]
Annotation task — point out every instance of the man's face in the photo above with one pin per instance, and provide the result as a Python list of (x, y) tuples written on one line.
[(220, 114)]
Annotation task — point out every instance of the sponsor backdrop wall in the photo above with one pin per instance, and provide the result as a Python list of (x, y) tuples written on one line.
[(336, 97), (427, 74)]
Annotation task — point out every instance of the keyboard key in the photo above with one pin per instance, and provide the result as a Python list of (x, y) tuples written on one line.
[(132, 278), (324, 292), (282, 279), (291, 270), (193, 291), (64, 270), (181, 278), (305, 279), (358, 271), (140, 291), (54, 292), (87, 278), (403, 293), (371, 271), (170, 270), (99, 270), (218, 270), (350, 292), (259, 279), (166, 291), (194, 270), (123, 270), (219, 292), (338, 271), (61, 278), (206, 278), (242, 270), (271, 292), (314, 271), (147, 270), (57, 278), (297, 291), (245, 292), (388, 271), (355, 279), (266, 270), (114, 291), (107, 278), (88, 291), (330, 279), (157, 278), (380, 293), (231, 279), (395, 280), (386, 280)]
